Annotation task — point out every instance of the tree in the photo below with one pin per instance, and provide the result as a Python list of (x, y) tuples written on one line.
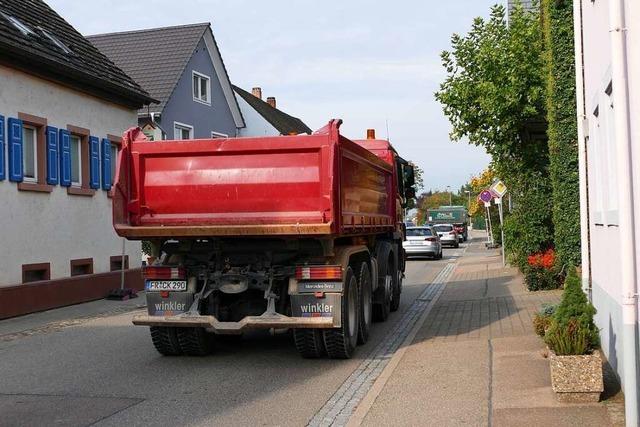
[(494, 95)]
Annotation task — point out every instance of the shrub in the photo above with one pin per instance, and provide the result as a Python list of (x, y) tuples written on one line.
[(542, 319), (574, 339), (540, 279), (572, 330), (540, 273)]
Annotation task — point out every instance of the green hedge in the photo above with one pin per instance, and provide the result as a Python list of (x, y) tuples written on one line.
[(557, 19), (529, 229)]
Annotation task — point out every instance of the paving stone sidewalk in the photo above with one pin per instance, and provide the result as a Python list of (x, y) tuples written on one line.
[(476, 359)]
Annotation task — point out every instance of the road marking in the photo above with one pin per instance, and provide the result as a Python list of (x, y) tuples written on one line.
[(355, 390)]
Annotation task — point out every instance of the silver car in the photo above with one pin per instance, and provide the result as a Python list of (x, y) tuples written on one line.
[(422, 241), (448, 235)]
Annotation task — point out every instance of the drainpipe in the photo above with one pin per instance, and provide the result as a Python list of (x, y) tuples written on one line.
[(585, 241), (619, 69)]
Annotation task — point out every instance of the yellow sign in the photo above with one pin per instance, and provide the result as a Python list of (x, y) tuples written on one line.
[(498, 188)]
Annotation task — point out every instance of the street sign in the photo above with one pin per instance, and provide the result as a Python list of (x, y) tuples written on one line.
[(498, 188), (487, 204), (486, 196)]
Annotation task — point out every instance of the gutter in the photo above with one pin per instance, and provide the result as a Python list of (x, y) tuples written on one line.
[(622, 121), (583, 167)]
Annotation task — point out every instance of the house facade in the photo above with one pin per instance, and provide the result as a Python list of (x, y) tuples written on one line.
[(182, 68), (63, 107), (263, 118), (607, 33)]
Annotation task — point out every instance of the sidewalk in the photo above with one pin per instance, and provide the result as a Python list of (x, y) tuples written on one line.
[(476, 359), (60, 318)]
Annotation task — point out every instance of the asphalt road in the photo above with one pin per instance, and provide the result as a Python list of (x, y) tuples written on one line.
[(106, 372)]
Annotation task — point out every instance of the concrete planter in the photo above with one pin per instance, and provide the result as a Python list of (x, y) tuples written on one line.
[(577, 379)]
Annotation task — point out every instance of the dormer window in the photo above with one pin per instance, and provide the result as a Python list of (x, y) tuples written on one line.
[(19, 25), (55, 41)]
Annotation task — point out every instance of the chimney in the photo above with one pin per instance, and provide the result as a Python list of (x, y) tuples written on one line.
[(371, 134), (271, 101), (257, 92)]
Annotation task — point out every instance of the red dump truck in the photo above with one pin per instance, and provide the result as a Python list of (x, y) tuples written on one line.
[(291, 232)]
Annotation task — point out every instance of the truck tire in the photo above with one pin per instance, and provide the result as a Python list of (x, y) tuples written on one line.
[(309, 343), (396, 290), (365, 298), (165, 340), (195, 341), (382, 296), (341, 342)]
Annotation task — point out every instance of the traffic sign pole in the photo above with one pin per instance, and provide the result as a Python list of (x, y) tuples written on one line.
[(498, 202)]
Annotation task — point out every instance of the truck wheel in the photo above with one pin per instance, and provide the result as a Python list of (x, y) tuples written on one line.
[(366, 303), (341, 342), (309, 343), (396, 290), (382, 297), (195, 341), (165, 340)]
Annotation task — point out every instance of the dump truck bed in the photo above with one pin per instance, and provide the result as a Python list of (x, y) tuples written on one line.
[(303, 185)]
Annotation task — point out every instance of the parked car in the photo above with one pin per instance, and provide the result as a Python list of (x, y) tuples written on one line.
[(422, 241), (448, 235)]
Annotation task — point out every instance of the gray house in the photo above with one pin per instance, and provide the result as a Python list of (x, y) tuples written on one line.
[(183, 69)]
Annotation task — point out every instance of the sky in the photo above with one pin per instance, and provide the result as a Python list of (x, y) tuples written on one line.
[(373, 64)]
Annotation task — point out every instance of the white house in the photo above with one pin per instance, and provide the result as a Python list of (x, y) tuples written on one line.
[(607, 36), (263, 118), (63, 107)]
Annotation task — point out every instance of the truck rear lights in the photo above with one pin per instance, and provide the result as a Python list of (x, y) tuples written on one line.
[(153, 272), (319, 272)]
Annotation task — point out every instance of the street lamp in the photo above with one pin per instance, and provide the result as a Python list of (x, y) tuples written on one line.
[(469, 194), (449, 191)]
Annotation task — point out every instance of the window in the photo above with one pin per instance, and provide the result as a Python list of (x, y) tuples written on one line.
[(418, 232), (218, 135), (36, 272), (55, 41), (116, 262), (182, 131), (19, 25), (37, 172), (79, 267), (76, 160), (612, 169), (114, 160), (30, 153), (201, 88)]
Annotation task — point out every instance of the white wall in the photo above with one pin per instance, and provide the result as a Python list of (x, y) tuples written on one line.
[(57, 227), (255, 124), (603, 221)]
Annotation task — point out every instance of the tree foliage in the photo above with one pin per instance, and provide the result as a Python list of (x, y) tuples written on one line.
[(494, 82)]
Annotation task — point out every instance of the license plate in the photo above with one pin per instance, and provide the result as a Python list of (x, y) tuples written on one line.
[(415, 242), (166, 285)]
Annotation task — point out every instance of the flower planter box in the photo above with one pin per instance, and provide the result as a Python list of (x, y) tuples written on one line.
[(577, 379)]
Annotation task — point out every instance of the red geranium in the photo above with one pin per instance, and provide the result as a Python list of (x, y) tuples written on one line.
[(542, 259)]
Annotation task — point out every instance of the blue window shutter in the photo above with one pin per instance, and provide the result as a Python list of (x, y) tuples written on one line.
[(106, 164), (94, 162), (15, 150), (65, 157), (3, 173), (52, 155)]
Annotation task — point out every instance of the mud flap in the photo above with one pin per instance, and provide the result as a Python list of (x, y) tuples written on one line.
[(176, 303), (330, 305)]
